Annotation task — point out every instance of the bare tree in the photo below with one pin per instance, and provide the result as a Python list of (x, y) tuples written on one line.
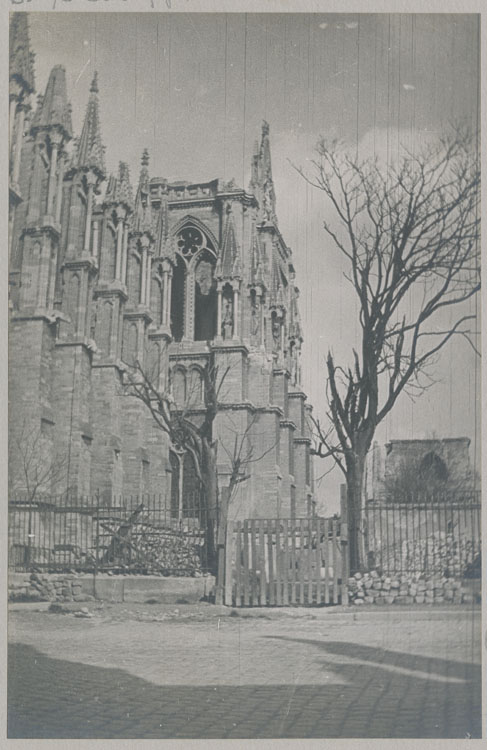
[(34, 471), (409, 235), (240, 457), (185, 434)]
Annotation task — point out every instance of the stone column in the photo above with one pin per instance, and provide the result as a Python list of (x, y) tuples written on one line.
[(118, 262), (96, 225), (236, 320), (55, 139), (189, 306), (18, 145), (180, 498), (219, 311), (262, 321), (124, 253), (14, 100), (148, 262), (166, 300), (143, 272), (90, 178), (59, 190)]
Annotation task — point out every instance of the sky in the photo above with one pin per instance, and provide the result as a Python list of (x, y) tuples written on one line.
[(194, 88)]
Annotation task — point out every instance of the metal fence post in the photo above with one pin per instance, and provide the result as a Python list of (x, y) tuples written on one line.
[(97, 542)]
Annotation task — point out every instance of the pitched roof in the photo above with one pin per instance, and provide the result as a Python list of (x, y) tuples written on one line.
[(53, 109)]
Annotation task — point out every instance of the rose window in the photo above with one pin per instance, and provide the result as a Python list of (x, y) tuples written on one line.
[(190, 241)]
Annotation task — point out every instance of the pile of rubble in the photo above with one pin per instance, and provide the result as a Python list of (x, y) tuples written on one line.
[(440, 553), (48, 588), (373, 588)]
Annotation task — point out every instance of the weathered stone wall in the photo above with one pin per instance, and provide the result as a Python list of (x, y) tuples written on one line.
[(82, 306), (107, 458), (71, 381)]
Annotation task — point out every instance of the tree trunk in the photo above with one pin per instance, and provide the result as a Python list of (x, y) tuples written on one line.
[(356, 542), (210, 474)]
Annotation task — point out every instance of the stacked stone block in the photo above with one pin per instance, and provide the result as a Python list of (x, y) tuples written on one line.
[(416, 588)]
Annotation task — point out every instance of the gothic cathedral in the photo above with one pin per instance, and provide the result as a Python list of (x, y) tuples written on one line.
[(171, 275)]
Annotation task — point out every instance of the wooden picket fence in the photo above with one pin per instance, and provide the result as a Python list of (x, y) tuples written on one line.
[(283, 562)]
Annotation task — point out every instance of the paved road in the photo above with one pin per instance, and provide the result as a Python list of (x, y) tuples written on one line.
[(377, 673)]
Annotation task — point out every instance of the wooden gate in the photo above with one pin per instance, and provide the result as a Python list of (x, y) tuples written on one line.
[(281, 562)]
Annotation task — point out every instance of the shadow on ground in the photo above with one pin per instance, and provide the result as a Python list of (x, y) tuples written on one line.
[(388, 694)]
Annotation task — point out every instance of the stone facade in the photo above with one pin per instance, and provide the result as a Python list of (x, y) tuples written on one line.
[(172, 275)]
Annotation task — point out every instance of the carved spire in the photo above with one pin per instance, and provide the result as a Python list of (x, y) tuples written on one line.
[(262, 184), (53, 109), (265, 151), (144, 220), (91, 152), (21, 58), (144, 172), (124, 188), (119, 189), (148, 224), (230, 261)]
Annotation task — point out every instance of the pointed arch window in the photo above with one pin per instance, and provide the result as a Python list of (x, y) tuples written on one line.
[(205, 300), (179, 387), (156, 297), (178, 299), (193, 293)]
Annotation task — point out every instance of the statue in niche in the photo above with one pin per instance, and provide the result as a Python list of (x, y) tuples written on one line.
[(276, 332), (227, 321), (204, 277), (294, 364), (93, 324), (268, 200)]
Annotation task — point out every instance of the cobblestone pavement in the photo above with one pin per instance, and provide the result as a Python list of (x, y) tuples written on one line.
[(128, 673)]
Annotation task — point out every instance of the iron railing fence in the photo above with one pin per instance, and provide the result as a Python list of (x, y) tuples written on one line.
[(430, 535), (139, 534)]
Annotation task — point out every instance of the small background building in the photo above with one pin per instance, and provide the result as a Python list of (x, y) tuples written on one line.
[(419, 467)]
